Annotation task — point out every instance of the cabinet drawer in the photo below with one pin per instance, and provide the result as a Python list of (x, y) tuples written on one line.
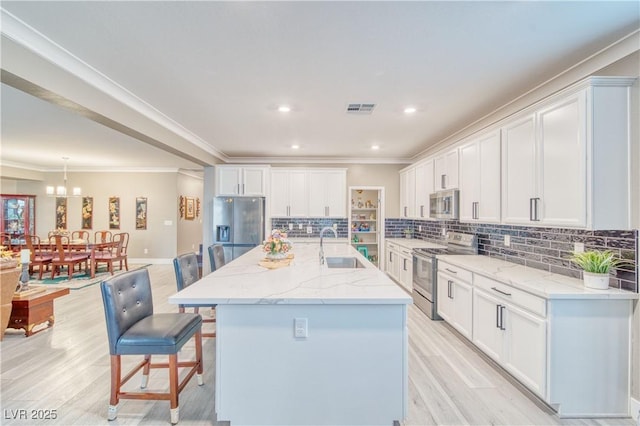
[(534, 304), (391, 246), (455, 271)]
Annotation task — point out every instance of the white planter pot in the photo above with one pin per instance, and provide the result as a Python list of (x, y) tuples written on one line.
[(596, 281)]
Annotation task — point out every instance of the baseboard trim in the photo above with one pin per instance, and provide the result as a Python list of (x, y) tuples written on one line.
[(634, 409)]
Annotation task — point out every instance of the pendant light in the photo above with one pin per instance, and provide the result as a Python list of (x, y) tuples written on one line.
[(61, 191)]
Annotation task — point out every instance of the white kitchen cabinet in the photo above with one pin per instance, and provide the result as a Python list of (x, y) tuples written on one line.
[(407, 192), (288, 193), (423, 188), (327, 193), (241, 180), (455, 301), (511, 336), (480, 179), (405, 266), (393, 261), (565, 159), (446, 170)]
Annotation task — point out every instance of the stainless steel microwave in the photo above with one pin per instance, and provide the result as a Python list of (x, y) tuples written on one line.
[(444, 204)]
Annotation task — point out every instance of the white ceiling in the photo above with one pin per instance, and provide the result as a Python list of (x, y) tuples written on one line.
[(219, 70)]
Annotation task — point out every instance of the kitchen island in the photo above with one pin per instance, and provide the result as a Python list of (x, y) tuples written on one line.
[(305, 343)]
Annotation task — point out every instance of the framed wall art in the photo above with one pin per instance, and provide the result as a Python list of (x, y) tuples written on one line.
[(190, 208), (61, 213), (114, 213), (87, 212), (141, 213)]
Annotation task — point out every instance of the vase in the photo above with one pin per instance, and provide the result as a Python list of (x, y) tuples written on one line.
[(276, 256), (595, 281)]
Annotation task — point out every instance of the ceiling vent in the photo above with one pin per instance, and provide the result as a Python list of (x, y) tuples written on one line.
[(360, 108)]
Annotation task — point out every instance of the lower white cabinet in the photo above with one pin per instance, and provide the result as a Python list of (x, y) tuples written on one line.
[(513, 337), (455, 302), (569, 349), (399, 265)]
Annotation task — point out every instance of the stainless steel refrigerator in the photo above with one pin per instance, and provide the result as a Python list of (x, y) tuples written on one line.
[(238, 224)]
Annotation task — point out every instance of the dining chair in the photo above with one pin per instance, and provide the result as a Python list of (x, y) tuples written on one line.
[(134, 329), (216, 256), (64, 256), (187, 273), (102, 237), (77, 236), (108, 252), (122, 255), (37, 257)]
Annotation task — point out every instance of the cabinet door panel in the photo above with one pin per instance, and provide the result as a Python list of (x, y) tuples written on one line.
[(317, 189), (298, 193), (525, 348), (408, 193), (452, 169), (336, 190), (469, 183), (279, 193), (444, 302), (486, 332), (228, 180), (489, 178), (562, 182), (463, 309), (253, 182), (424, 188), (518, 170)]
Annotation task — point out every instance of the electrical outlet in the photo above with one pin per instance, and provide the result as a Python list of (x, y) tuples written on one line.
[(146, 251), (300, 328), (419, 228), (291, 227), (299, 226), (444, 232), (507, 240), (335, 226), (309, 229), (578, 247)]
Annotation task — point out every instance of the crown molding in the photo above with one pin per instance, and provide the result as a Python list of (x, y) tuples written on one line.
[(22, 33), (317, 160), (92, 169)]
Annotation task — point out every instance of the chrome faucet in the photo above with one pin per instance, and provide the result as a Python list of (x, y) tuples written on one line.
[(335, 234)]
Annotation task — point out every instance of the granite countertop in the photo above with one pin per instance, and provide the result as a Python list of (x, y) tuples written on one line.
[(535, 281), (305, 281), (414, 243)]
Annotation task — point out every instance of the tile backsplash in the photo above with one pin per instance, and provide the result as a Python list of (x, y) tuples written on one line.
[(548, 249), (316, 224)]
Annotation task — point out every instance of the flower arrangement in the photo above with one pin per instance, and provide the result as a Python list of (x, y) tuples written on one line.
[(277, 245)]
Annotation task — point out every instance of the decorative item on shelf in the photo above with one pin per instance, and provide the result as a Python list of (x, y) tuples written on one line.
[(597, 266), (368, 204), (355, 239), (364, 227), (360, 203), (372, 216), (277, 246)]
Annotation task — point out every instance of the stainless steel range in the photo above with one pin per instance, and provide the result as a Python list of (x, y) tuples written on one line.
[(425, 270)]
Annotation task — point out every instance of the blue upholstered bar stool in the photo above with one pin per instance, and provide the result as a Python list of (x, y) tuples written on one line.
[(187, 273), (216, 256), (134, 329)]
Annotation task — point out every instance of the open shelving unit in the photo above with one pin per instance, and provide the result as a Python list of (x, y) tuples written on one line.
[(366, 221)]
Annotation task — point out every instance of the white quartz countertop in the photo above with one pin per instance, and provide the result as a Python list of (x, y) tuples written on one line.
[(305, 281), (535, 281), (414, 243)]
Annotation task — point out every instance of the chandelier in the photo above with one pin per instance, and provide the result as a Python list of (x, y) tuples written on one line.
[(61, 191)]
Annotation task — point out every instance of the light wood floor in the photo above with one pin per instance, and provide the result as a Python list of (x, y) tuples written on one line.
[(66, 369)]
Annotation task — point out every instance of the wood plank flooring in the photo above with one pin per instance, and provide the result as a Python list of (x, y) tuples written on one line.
[(66, 369)]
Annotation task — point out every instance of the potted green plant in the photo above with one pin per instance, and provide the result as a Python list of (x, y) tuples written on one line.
[(596, 267)]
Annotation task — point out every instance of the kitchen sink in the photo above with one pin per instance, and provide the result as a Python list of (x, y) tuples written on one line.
[(343, 262)]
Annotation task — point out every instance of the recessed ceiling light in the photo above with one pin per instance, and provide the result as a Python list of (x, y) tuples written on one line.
[(409, 110), (284, 108), (375, 147), (295, 146)]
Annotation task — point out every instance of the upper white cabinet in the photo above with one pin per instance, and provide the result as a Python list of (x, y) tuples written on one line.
[(407, 192), (424, 188), (288, 193), (446, 170), (308, 192), (327, 193), (480, 179), (241, 180), (565, 160)]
